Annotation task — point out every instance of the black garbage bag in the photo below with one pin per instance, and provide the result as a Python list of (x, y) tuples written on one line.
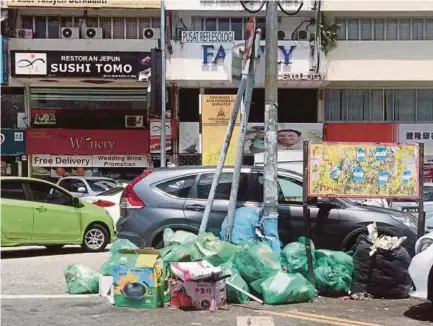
[(384, 274)]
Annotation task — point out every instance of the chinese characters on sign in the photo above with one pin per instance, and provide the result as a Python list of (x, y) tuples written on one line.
[(416, 133), (419, 135)]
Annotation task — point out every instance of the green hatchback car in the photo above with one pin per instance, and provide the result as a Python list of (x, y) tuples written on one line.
[(37, 212)]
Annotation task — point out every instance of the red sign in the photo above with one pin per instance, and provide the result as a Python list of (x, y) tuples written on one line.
[(428, 173), (87, 142), (361, 132)]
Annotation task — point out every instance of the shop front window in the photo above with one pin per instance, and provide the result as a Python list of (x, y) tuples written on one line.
[(12, 107), (393, 105), (81, 109)]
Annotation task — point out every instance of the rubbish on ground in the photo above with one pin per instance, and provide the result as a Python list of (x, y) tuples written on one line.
[(333, 272), (242, 291), (294, 257), (107, 268), (281, 288), (180, 252), (194, 271), (138, 281), (202, 295), (383, 274), (170, 237), (361, 296), (383, 242), (245, 223), (256, 261), (81, 279), (237, 292), (215, 250), (105, 284)]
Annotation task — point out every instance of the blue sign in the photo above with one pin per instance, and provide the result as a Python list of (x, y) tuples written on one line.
[(212, 55), (4, 69), (13, 141)]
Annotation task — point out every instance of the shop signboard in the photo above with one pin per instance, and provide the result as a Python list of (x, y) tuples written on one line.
[(222, 61), (207, 37), (231, 5), (89, 64), (155, 135), (416, 133), (215, 115), (13, 141), (83, 4), (362, 132), (88, 161), (291, 136), (363, 170), (87, 142)]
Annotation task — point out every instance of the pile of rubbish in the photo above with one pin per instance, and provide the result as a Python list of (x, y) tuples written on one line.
[(204, 272)]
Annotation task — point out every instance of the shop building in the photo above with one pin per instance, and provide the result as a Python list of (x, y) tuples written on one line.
[(84, 76), (381, 71), (204, 59)]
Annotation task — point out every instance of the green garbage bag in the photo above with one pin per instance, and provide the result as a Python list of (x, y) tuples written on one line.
[(170, 237), (233, 295), (215, 250), (81, 279), (282, 288), (186, 252), (107, 268), (294, 257), (333, 277), (340, 257), (256, 261)]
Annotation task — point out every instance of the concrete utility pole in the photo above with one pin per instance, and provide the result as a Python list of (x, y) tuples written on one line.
[(163, 88), (271, 112)]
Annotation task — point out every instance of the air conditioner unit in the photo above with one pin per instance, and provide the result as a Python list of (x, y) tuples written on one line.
[(93, 33), (24, 33), (134, 121), (151, 33), (302, 35), (70, 32)]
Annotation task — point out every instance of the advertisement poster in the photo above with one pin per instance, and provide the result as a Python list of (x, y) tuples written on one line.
[(363, 170), (215, 116), (291, 136), (155, 135), (189, 137)]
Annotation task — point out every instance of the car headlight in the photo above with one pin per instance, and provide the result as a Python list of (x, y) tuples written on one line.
[(406, 220), (424, 244)]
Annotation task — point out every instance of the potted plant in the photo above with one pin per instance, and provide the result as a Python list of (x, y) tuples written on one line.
[(328, 33)]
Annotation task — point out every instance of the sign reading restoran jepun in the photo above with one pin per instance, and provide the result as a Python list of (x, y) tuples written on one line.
[(85, 3)]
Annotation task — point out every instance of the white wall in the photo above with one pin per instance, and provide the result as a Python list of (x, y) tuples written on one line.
[(82, 45), (381, 5), (381, 61)]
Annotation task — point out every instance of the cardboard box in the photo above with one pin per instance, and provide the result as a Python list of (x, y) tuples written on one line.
[(138, 279), (197, 294)]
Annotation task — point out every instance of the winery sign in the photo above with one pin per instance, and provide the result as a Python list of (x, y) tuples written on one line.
[(120, 65)]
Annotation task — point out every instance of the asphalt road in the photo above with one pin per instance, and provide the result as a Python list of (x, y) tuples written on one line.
[(33, 293)]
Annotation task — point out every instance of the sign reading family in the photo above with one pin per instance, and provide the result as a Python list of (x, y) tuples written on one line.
[(210, 56), (79, 64), (81, 4), (207, 37)]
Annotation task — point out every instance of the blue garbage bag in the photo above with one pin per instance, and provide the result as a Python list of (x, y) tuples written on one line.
[(244, 226)]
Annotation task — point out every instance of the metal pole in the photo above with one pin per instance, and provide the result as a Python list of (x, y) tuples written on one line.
[(223, 154), (251, 66), (163, 89), (421, 213), (271, 112)]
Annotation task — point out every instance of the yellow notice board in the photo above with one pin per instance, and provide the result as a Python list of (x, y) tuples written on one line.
[(363, 170), (215, 115), (85, 3)]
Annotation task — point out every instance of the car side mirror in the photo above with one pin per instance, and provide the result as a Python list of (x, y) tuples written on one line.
[(76, 202), (81, 189)]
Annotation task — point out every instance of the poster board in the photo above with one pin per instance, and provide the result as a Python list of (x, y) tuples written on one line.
[(363, 170)]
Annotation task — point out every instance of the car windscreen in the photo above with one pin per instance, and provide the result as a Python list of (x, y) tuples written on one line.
[(99, 185), (111, 192)]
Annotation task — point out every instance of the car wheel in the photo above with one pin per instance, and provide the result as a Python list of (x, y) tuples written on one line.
[(95, 238), (54, 247)]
